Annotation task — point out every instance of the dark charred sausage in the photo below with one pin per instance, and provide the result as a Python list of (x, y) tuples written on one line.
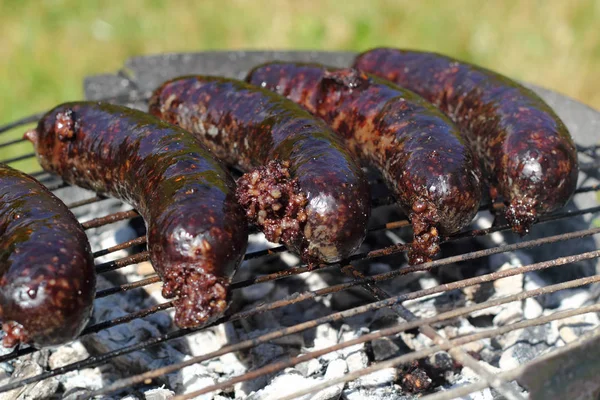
[(419, 151), (525, 149), (197, 232), (47, 274), (302, 186)]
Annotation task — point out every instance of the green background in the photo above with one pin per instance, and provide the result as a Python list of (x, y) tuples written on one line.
[(47, 47)]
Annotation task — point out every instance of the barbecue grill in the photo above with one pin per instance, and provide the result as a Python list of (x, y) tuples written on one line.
[(562, 249)]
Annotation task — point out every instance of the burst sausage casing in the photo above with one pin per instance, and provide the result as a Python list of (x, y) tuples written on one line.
[(302, 186), (419, 151), (47, 283), (197, 232), (526, 150)]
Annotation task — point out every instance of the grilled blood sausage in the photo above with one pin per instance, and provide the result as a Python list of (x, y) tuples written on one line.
[(524, 147), (197, 232), (302, 186), (420, 153), (47, 274)]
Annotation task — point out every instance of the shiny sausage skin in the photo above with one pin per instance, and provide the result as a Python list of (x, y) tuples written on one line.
[(197, 232), (287, 152), (525, 149), (47, 274), (419, 151)]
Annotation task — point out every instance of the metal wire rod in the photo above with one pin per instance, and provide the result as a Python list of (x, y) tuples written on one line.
[(506, 376), (397, 299), (431, 350), (12, 142), (19, 158), (20, 122), (91, 200), (457, 353)]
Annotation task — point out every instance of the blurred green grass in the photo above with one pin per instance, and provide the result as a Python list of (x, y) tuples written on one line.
[(48, 46)]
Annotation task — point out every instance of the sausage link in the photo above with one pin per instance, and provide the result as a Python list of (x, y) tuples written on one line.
[(302, 186), (47, 275), (420, 153), (197, 232), (525, 149)]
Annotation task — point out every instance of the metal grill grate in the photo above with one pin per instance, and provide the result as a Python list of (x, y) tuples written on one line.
[(350, 277)]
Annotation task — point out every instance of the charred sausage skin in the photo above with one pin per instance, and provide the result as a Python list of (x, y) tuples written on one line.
[(419, 151), (526, 150), (196, 230), (293, 162), (47, 274)]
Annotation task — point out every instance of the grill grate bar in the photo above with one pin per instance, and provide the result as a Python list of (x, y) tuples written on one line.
[(586, 149), (94, 329), (344, 286), (115, 217), (386, 200), (467, 389), (448, 315), (586, 189), (56, 186), (390, 225), (37, 174), (458, 354), (120, 246), (298, 270), (95, 361), (127, 286), (109, 219), (85, 202), (12, 142), (490, 333), (19, 158), (126, 318), (591, 166), (487, 252), (485, 278), (17, 352), (134, 96), (113, 265), (422, 267), (20, 122), (122, 262), (513, 374), (368, 279)]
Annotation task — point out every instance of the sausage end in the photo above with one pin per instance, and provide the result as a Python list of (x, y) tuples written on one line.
[(14, 334), (521, 214), (273, 201), (32, 136), (426, 243), (201, 297)]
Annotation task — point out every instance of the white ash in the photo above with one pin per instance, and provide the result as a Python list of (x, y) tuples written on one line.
[(376, 379), (384, 348), (282, 385), (335, 369), (573, 328), (310, 368), (160, 393), (39, 390)]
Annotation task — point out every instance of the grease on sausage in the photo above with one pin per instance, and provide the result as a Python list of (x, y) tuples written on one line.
[(419, 151), (47, 275), (525, 149), (197, 232), (302, 186)]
